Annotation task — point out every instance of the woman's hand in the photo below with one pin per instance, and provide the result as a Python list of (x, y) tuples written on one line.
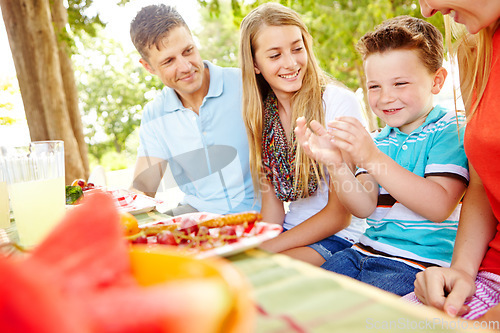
[(445, 288), (317, 142)]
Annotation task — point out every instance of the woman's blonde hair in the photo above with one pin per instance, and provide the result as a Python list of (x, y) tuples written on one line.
[(473, 54), (306, 102)]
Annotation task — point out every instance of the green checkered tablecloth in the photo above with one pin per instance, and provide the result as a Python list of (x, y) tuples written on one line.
[(151, 216), (293, 296)]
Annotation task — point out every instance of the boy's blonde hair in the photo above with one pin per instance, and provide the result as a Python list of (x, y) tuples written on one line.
[(405, 32), (306, 102)]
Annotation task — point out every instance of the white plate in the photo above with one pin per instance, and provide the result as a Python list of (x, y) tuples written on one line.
[(267, 231), (246, 243), (196, 216)]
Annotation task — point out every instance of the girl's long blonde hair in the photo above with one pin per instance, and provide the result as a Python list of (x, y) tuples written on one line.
[(306, 102), (473, 54)]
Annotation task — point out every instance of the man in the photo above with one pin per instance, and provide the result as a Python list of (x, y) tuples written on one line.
[(195, 124)]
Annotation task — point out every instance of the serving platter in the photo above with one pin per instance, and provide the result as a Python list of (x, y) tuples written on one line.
[(187, 233)]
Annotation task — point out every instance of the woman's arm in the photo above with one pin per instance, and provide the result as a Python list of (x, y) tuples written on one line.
[(328, 221), (476, 229)]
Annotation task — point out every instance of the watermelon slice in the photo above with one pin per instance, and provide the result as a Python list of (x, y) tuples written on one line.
[(30, 304), (92, 234), (79, 279)]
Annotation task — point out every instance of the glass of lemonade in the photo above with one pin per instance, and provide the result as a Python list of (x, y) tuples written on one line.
[(35, 179), (4, 201)]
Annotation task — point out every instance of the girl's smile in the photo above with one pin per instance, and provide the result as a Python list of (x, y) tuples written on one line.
[(281, 58)]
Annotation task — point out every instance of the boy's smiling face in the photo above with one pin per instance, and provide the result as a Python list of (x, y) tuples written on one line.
[(400, 88)]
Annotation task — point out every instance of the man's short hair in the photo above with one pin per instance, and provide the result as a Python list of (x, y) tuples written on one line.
[(151, 25)]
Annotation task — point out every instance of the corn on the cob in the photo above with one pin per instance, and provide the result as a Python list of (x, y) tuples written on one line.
[(232, 219)]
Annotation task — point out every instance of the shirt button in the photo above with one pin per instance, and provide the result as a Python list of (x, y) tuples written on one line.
[(404, 147), (204, 133)]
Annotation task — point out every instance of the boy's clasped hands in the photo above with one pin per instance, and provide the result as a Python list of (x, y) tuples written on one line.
[(346, 139)]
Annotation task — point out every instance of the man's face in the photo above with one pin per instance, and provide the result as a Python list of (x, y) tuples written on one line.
[(177, 63)]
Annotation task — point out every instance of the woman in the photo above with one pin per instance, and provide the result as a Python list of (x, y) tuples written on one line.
[(475, 268), (281, 82)]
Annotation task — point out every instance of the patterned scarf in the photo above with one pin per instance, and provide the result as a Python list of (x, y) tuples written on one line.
[(278, 157)]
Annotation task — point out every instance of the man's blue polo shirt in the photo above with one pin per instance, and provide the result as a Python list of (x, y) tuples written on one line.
[(433, 149), (207, 153)]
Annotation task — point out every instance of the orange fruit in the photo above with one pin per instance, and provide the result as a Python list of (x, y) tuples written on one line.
[(129, 223), (232, 309)]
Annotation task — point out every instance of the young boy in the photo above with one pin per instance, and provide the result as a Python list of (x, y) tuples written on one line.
[(411, 176)]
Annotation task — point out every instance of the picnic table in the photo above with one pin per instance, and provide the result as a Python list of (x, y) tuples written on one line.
[(293, 296)]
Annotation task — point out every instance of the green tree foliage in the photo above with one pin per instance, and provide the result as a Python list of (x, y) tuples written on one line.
[(336, 26), (113, 88), (219, 37), (79, 23)]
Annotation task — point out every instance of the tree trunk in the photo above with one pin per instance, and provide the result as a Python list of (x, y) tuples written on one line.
[(37, 59), (60, 19), (118, 147)]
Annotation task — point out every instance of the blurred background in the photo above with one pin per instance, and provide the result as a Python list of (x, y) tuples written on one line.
[(112, 87)]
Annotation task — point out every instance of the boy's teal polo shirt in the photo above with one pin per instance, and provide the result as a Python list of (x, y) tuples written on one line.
[(433, 149)]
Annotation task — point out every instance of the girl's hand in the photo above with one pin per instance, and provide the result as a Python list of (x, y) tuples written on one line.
[(317, 142), (350, 135)]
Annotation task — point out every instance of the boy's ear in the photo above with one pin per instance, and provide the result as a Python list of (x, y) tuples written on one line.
[(146, 65), (438, 82)]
